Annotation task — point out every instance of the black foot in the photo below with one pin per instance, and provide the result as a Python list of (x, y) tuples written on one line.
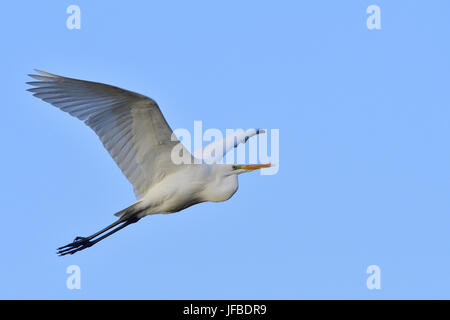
[(78, 244), (81, 243)]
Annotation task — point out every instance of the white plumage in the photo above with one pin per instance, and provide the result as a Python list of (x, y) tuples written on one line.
[(138, 138)]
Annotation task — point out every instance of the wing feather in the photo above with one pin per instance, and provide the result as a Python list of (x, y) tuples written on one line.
[(215, 151), (130, 125)]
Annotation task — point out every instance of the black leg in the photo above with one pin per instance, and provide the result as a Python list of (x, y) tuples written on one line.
[(81, 243)]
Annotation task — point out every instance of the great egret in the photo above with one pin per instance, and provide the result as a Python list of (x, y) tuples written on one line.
[(135, 133)]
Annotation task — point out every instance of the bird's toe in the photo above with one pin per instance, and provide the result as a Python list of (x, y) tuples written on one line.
[(77, 239)]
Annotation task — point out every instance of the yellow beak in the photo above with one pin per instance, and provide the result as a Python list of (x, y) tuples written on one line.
[(251, 167)]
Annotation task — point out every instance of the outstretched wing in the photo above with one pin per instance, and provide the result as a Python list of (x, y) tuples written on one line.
[(215, 151), (130, 126)]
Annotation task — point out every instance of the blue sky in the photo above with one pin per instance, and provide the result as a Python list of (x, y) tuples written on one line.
[(364, 124)]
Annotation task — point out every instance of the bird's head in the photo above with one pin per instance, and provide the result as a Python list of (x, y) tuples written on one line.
[(225, 181)]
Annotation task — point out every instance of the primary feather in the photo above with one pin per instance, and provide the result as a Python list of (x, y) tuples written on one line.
[(130, 125)]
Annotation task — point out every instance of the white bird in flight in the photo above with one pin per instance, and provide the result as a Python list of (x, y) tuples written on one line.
[(136, 135)]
